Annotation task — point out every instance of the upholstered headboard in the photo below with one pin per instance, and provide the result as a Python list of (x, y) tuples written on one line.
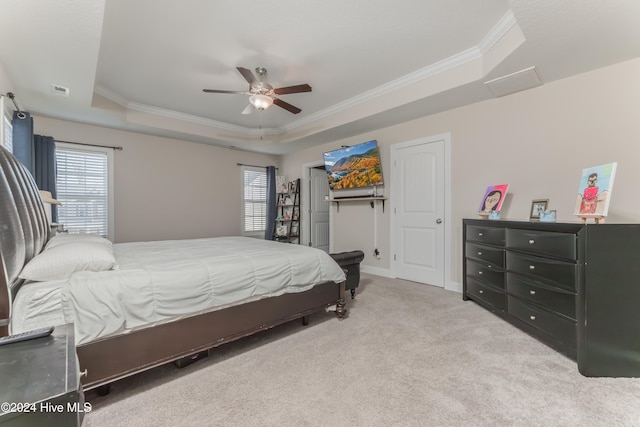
[(24, 228)]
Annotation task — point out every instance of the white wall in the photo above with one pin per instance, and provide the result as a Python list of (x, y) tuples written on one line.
[(538, 141), (5, 83), (166, 188)]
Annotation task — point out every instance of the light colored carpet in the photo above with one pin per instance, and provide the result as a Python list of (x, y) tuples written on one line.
[(407, 355)]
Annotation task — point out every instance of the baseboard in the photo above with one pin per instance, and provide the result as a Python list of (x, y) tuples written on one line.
[(385, 272), (454, 287)]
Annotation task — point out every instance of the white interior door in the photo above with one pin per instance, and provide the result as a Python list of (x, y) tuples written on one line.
[(419, 194), (319, 209)]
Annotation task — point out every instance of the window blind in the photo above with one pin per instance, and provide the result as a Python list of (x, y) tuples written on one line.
[(7, 135), (6, 131), (82, 187), (254, 207)]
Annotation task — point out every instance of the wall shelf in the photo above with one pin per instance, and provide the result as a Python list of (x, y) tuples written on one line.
[(371, 199)]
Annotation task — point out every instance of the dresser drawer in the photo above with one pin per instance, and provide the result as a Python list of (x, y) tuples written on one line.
[(559, 273), (486, 273), (562, 245), (490, 295), (555, 299), (487, 254), (492, 235), (562, 329)]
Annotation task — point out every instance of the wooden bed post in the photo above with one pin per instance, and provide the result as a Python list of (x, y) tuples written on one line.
[(341, 311)]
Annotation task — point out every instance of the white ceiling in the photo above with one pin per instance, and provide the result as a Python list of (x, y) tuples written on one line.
[(141, 65)]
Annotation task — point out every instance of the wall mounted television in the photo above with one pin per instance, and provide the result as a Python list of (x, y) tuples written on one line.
[(356, 166)]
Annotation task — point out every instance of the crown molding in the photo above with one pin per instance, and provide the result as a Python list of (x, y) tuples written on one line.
[(488, 42), (498, 31), (171, 114)]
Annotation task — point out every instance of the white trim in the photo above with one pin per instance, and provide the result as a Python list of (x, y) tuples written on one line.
[(502, 27), (454, 286), (446, 137), (259, 233), (384, 272)]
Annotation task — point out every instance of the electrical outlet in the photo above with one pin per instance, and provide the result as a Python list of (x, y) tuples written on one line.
[(59, 90)]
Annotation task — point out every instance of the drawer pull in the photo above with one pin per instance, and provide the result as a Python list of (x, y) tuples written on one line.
[(532, 292), (531, 242), (479, 253), (480, 273), (532, 267), (480, 234), (532, 317), (84, 373), (481, 291)]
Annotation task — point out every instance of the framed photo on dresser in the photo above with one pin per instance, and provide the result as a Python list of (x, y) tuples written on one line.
[(537, 207)]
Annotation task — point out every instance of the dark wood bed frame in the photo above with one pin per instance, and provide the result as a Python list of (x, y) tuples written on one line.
[(24, 230)]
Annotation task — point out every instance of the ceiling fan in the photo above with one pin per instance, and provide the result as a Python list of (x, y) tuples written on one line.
[(262, 94)]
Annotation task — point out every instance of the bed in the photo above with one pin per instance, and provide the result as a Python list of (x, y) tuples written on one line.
[(137, 305)]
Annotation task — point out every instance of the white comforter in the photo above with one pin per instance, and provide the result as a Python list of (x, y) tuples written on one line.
[(162, 281)]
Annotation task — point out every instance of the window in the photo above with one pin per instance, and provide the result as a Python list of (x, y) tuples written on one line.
[(6, 129), (254, 201), (85, 188)]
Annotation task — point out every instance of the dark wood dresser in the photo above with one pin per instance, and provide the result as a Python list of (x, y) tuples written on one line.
[(575, 287)]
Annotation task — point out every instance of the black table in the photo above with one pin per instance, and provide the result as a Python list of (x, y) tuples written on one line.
[(40, 382)]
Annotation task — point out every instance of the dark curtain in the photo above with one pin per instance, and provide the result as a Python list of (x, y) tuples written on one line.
[(23, 140), (37, 153), (44, 149), (271, 203)]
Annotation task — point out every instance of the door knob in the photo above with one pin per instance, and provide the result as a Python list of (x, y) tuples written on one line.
[(438, 221)]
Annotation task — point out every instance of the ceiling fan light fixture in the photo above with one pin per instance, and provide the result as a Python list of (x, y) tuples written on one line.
[(260, 101)]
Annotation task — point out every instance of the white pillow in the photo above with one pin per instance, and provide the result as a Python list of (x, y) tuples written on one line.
[(60, 239), (59, 262)]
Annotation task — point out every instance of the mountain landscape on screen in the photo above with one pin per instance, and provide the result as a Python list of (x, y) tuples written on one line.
[(354, 167)]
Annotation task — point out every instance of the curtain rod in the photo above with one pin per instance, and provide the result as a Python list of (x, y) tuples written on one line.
[(90, 145), (253, 166), (12, 97)]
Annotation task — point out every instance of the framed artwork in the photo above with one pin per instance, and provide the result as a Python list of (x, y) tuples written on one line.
[(281, 184), (537, 207), (594, 191), (493, 198), (281, 230)]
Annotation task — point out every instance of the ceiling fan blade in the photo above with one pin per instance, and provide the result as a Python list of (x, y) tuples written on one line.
[(286, 106), (248, 75), (248, 109), (225, 91), (292, 89)]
